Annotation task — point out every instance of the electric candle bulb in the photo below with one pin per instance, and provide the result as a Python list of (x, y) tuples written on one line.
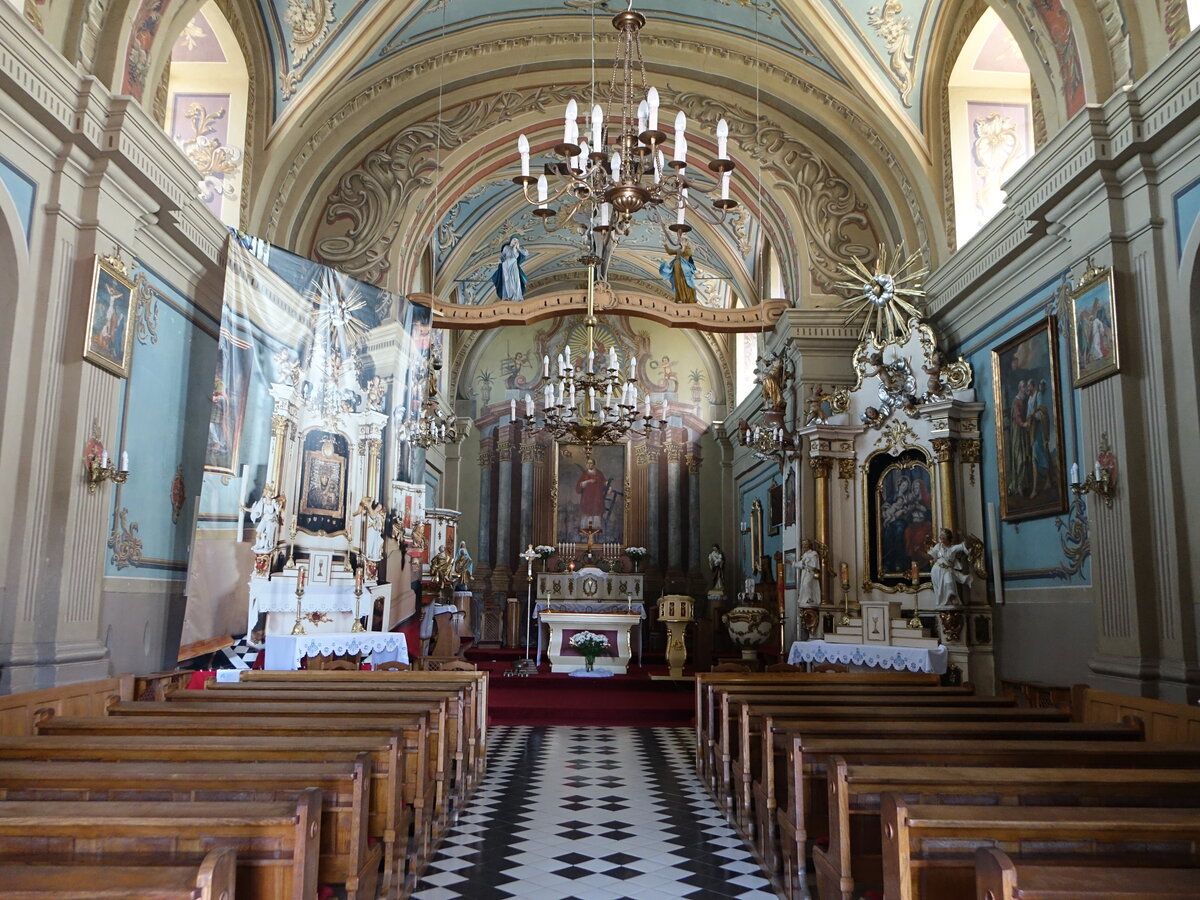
[(680, 128), (643, 116), (512, 409), (681, 148), (572, 112), (528, 406), (1098, 471), (523, 149), (725, 185), (632, 366), (591, 361), (543, 191), (652, 107), (125, 461), (647, 407), (615, 164), (597, 127), (104, 459), (664, 411), (581, 159), (722, 138), (605, 213), (545, 366), (682, 212), (1075, 473)]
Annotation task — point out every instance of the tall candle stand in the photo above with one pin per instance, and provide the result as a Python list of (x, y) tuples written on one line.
[(525, 667), (291, 560), (298, 628), (358, 589), (914, 623), (845, 579)]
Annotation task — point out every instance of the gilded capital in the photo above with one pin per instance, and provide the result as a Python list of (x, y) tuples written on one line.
[(821, 465), (944, 448)]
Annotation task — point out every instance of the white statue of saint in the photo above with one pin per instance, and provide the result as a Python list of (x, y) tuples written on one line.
[(266, 514), (809, 566), (374, 516), (951, 570)]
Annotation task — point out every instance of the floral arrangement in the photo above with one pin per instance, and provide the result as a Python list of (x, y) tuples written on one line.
[(637, 553), (590, 645), (545, 551)]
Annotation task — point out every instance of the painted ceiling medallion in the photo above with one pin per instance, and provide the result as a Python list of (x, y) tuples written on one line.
[(886, 298)]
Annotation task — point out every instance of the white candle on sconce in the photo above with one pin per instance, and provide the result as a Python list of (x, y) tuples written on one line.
[(1075, 473), (1099, 471), (125, 461)]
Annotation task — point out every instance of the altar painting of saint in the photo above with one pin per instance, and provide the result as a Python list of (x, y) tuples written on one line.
[(901, 518), (591, 493)]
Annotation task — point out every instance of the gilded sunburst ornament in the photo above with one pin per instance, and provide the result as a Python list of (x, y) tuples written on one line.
[(886, 298)]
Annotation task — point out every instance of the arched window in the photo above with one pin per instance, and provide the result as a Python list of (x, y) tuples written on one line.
[(206, 108), (991, 122)]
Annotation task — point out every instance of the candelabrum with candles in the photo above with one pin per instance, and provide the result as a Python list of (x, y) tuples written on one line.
[(101, 469), (592, 403), (432, 424), (301, 575), (768, 441), (619, 168)]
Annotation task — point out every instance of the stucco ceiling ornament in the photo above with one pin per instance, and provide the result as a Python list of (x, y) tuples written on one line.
[(834, 217), (896, 31), (309, 21), (376, 196)]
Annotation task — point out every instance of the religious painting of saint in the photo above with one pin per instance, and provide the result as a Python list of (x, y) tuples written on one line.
[(591, 493), (109, 342), (322, 506), (1094, 328), (899, 511), (1028, 414), (230, 385)]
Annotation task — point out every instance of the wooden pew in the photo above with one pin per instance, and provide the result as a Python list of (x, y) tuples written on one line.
[(929, 851), (455, 766), (714, 731), (997, 877), (707, 680), (324, 714), (741, 727), (475, 683), (345, 856), (277, 844), (802, 807), (853, 859), (411, 731), (55, 878), (389, 819)]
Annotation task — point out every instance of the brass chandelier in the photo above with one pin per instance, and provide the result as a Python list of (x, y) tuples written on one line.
[(606, 179)]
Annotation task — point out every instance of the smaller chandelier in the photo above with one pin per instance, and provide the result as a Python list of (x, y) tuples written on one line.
[(592, 404), (432, 425), (767, 443), (605, 182)]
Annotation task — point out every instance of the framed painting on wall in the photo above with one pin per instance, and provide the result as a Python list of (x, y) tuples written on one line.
[(899, 515), (1028, 415), (1094, 327), (590, 492), (109, 342), (775, 505)]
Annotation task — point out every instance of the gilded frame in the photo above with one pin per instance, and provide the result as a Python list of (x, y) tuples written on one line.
[(756, 536), (1030, 358), (605, 455), (108, 342), (1095, 350)]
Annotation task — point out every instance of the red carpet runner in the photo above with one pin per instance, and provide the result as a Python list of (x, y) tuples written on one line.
[(546, 699)]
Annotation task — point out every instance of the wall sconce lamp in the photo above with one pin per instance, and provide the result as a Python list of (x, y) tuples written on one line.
[(100, 469), (1102, 480)]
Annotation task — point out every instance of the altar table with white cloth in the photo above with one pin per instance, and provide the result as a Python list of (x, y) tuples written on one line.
[(284, 651), (590, 606), (881, 656)]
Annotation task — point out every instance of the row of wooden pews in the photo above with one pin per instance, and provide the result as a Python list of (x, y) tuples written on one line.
[(887, 780), (309, 778)]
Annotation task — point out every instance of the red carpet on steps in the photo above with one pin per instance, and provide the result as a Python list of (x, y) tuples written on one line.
[(546, 699)]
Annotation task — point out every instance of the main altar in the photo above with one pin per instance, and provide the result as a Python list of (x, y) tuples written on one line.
[(589, 599)]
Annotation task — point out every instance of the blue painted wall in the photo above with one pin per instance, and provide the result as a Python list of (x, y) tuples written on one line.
[(756, 487), (1034, 551), (23, 191), (163, 419)]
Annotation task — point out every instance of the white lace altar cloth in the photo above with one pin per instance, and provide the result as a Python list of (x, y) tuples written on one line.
[(878, 656), (284, 651)]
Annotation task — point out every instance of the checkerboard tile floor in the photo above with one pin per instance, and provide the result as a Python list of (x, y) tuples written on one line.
[(593, 814)]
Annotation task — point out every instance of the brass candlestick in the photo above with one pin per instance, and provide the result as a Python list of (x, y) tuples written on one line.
[(291, 560), (298, 628), (358, 625)]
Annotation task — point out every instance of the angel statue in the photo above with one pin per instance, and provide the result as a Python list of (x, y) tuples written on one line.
[(266, 514), (951, 571)]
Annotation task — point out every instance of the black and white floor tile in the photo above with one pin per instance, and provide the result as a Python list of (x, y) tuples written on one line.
[(593, 814)]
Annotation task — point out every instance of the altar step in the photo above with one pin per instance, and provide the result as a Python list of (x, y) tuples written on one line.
[(547, 699)]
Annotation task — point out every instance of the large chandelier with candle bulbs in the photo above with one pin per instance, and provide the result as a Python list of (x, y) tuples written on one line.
[(606, 178), (589, 401)]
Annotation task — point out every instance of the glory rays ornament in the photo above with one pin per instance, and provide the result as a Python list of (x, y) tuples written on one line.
[(886, 298)]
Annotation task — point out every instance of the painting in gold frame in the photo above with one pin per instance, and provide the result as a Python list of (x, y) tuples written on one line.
[(1028, 416), (898, 510), (593, 497), (109, 340), (1094, 350)]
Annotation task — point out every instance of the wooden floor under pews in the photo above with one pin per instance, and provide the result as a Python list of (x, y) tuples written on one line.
[(272, 787), (889, 785)]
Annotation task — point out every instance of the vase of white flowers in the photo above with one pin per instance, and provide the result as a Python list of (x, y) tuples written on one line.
[(636, 555), (545, 551), (589, 645)]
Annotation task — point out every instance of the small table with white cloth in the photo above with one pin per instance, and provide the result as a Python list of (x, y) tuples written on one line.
[(881, 656), (284, 651)]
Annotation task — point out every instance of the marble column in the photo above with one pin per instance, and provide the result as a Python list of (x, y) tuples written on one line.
[(529, 453), (693, 513), (487, 459), (674, 512), (653, 524), (504, 488)]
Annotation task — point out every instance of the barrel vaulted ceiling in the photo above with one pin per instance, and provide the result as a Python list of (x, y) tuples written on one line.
[(387, 129)]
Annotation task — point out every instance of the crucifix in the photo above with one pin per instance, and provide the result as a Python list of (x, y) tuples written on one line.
[(591, 531)]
